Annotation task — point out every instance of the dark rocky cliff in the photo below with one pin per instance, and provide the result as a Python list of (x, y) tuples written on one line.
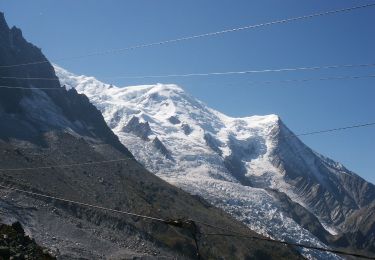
[(67, 109), (336, 195)]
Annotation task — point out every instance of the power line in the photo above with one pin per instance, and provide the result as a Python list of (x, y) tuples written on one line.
[(216, 73), (240, 234), (67, 165), (130, 159), (335, 129), (185, 224), (246, 71), (188, 224), (250, 82), (9, 87), (85, 204), (292, 244), (186, 38), (312, 79), (174, 222)]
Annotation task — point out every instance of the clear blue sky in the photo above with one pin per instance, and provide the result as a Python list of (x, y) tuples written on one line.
[(70, 28)]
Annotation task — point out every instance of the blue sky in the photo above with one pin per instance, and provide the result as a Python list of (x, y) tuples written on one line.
[(72, 28)]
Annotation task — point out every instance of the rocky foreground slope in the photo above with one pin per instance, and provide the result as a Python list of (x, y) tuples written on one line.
[(15, 244), (47, 127), (255, 168)]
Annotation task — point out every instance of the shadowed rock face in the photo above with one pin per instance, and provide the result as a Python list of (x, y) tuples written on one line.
[(137, 128), (302, 216), (186, 128), (333, 193), (325, 186), (174, 120), (360, 229), (212, 143), (161, 148), (21, 114), (58, 127)]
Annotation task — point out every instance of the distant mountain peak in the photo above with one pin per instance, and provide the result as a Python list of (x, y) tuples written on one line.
[(3, 23)]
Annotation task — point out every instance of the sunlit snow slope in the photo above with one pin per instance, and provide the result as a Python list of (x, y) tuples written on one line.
[(252, 167)]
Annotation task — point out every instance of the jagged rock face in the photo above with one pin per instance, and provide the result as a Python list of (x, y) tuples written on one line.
[(186, 128), (26, 113), (330, 190), (60, 127), (304, 217), (212, 143), (234, 162), (140, 129), (360, 229), (174, 120), (161, 148)]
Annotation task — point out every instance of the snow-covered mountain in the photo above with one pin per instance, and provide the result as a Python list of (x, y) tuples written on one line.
[(252, 167), (55, 147)]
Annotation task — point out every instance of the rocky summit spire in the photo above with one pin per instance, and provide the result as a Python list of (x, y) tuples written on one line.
[(3, 23), (4, 28)]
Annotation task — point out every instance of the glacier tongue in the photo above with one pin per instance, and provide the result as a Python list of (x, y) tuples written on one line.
[(228, 161)]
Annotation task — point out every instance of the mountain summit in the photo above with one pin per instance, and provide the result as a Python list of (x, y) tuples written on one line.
[(254, 167)]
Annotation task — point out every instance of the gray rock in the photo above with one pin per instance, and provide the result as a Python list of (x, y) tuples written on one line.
[(141, 130)]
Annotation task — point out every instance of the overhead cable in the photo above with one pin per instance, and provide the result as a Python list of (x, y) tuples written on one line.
[(213, 73), (335, 129), (210, 34), (186, 224), (126, 159), (249, 82), (84, 204), (68, 165), (293, 244)]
